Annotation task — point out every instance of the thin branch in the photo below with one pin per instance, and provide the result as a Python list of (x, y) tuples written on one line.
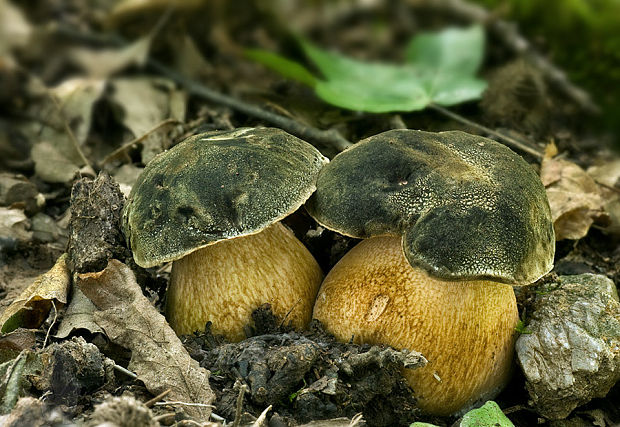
[(47, 335), (239, 410), (120, 150), (508, 140), (125, 371), (200, 405), (329, 138), (160, 396)]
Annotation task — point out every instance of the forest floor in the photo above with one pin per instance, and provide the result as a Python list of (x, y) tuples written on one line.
[(90, 94)]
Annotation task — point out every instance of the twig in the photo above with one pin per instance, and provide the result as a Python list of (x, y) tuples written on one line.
[(200, 405), (329, 138), (262, 418), (52, 325), (218, 418), (162, 417), (357, 419), (505, 138), (508, 34), (125, 371), (137, 140), (239, 410), (160, 396)]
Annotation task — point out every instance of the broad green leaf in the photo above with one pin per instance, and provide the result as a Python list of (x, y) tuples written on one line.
[(440, 69), (372, 87), (450, 58), (288, 68), (488, 415), (453, 50)]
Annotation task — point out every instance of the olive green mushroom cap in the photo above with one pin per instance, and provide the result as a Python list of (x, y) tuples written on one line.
[(466, 206), (216, 186)]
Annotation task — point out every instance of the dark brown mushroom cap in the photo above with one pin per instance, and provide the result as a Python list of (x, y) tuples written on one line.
[(466, 206), (216, 186)]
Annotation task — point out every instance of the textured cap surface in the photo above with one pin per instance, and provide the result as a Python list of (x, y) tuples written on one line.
[(466, 206), (217, 186)]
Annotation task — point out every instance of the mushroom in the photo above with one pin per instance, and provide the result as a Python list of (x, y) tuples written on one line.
[(212, 205), (452, 220)]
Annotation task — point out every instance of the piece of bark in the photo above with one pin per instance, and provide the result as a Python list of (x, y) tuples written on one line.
[(94, 232)]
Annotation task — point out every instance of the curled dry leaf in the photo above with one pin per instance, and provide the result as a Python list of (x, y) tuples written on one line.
[(79, 315), (574, 197), (608, 175), (106, 62), (32, 307), (157, 355)]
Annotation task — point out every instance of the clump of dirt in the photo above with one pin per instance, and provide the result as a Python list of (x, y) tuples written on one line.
[(306, 375)]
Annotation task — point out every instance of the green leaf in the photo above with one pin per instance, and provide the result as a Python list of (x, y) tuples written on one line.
[(440, 69), (288, 68), (450, 59), (453, 50), (488, 415)]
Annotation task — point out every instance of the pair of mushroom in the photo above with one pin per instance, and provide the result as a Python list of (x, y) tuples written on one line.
[(450, 220)]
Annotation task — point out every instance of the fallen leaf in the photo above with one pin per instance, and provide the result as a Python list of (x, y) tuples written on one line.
[(51, 164), (106, 62), (14, 225), (66, 113), (574, 197), (79, 315), (147, 102), (157, 355), (608, 176), (32, 307)]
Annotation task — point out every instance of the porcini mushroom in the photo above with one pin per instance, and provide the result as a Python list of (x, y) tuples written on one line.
[(451, 221), (212, 204)]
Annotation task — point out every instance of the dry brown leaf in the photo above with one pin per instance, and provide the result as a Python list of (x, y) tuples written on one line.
[(574, 198), (608, 175), (157, 355), (32, 307), (79, 315), (51, 164), (146, 103), (14, 224), (106, 62)]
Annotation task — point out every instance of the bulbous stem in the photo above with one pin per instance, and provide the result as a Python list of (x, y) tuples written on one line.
[(464, 329), (224, 282)]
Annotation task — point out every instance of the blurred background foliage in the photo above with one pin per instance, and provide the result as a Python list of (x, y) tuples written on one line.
[(582, 37)]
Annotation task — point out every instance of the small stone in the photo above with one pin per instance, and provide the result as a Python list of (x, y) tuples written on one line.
[(572, 354)]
